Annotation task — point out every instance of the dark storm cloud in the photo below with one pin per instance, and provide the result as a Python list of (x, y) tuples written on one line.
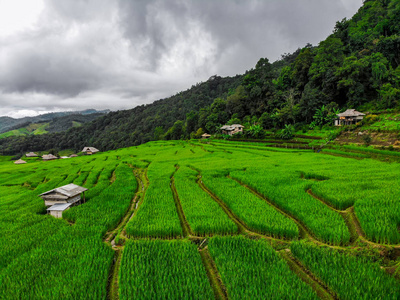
[(106, 54)]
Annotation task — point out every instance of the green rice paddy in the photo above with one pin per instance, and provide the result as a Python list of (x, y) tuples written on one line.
[(204, 220)]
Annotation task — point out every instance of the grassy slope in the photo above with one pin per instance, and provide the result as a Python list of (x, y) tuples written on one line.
[(78, 256)]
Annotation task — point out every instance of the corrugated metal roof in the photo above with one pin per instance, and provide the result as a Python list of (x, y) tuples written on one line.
[(350, 113), (54, 196), (60, 206), (69, 190)]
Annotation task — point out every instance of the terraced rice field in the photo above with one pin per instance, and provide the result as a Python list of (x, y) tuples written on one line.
[(192, 220)]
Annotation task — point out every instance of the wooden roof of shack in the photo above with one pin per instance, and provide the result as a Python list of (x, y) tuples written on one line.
[(90, 149), (351, 113), (65, 192), (19, 161), (59, 206)]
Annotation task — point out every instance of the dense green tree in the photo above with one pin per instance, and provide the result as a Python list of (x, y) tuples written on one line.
[(192, 119), (158, 133), (236, 103), (176, 132)]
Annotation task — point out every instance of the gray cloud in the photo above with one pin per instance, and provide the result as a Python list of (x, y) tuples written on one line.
[(106, 54)]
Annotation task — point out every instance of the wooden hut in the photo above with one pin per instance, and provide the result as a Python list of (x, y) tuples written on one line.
[(19, 162), (232, 129), (70, 193), (205, 136), (31, 154), (57, 209), (90, 150), (73, 155), (349, 117), (49, 157)]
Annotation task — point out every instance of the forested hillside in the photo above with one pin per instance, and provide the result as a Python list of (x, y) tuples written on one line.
[(357, 66)]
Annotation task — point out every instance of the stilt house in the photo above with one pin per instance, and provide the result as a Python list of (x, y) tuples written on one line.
[(62, 198), (349, 117)]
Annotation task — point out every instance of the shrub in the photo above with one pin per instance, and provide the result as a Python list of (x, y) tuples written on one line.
[(367, 139), (286, 133)]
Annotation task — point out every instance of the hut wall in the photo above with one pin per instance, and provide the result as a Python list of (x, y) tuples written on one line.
[(56, 213)]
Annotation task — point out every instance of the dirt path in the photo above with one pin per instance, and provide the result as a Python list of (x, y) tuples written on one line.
[(116, 237), (239, 223), (304, 232), (214, 277), (354, 226), (187, 231), (354, 233), (322, 290)]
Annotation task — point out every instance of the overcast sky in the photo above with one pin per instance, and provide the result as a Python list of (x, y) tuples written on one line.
[(58, 55)]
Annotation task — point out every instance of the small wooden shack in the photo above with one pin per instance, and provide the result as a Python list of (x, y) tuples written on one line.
[(349, 117), (49, 157), (19, 162), (62, 198), (73, 155), (232, 129), (205, 136), (57, 209), (31, 154), (89, 150)]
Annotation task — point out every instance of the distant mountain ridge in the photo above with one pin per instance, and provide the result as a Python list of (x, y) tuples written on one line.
[(8, 123)]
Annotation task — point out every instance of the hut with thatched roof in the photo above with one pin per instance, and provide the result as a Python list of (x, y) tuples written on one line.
[(73, 155), (205, 136), (31, 154), (49, 157), (19, 162), (349, 117), (89, 150)]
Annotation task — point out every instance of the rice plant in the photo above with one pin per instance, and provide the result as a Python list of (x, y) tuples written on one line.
[(163, 270), (157, 216), (350, 277), (204, 215), (257, 214), (251, 269)]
